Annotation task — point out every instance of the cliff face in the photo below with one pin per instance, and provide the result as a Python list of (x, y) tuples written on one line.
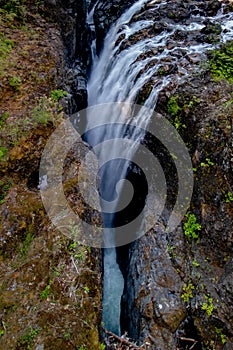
[(50, 286), (70, 17), (179, 286)]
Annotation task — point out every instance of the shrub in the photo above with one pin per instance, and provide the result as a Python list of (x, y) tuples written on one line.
[(56, 95), (43, 112), (47, 111)]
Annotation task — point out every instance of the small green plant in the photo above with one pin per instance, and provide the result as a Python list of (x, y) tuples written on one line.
[(3, 118), (6, 46), (56, 95), (87, 290), (43, 112), (67, 335), (46, 111), (229, 197), (221, 335), (208, 306), (187, 292), (195, 263), (27, 242), (4, 188), (221, 62), (3, 152), (102, 346), (178, 123), (26, 339), (171, 253), (173, 107), (2, 332), (191, 227), (77, 250), (46, 292), (72, 246), (207, 163), (192, 102), (15, 83)]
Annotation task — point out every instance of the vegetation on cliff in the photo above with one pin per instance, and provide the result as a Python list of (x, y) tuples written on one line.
[(50, 286)]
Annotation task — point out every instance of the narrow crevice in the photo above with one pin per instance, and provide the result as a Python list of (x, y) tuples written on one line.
[(187, 335)]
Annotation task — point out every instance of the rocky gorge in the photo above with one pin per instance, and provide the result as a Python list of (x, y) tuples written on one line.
[(178, 286)]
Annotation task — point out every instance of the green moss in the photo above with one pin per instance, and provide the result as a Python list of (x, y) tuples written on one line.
[(187, 292), (46, 111), (208, 306), (26, 340), (221, 335), (229, 197), (6, 46), (191, 227), (3, 118), (207, 163), (56, 95), (195, 263), (13, 9), (221, 62), (46, 292), (173, 107), (3, 152), (27, 242), (4, 188)]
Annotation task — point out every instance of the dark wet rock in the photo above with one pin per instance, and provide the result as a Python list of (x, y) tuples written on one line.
[(209, 135), (70, 16), (179, 11), (212, 32), (106, 13), (151, 305)]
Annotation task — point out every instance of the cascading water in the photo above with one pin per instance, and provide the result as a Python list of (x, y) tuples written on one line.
[(134, 56)]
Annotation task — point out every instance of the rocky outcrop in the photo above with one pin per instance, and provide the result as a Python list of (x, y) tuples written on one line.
[(164, 269), (106, 13), (70, 17)]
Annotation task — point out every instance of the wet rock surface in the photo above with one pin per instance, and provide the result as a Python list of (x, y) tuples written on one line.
[(70, 16), (105, 15), (179, 289), (162, 265)]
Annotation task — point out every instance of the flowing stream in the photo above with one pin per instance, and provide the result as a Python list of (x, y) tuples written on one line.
[(132, 57)]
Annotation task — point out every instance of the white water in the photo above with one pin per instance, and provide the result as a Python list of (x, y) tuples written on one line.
[(116, 77)]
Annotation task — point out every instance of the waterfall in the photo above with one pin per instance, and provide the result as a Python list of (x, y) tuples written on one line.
[(133, 56)]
